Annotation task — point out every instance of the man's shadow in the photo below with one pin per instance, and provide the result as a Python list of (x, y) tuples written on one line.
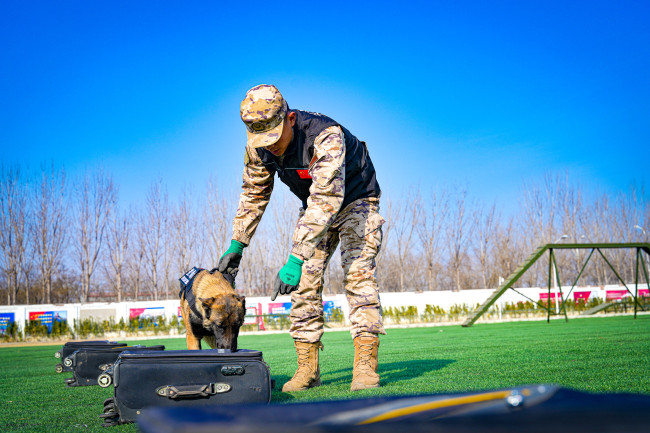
[(392, 372)]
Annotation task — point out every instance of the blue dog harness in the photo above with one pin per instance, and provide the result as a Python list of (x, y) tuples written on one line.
[(186, 286)]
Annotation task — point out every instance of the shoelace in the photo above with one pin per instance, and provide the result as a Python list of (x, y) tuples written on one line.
[(365, 354), (303, 361)]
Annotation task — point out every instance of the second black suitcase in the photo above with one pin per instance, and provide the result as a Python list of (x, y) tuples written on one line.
[(88, 363), (71, 346), (185, 378)]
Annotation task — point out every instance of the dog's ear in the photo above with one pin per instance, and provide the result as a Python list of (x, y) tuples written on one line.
[(242, 299), (208, 302)]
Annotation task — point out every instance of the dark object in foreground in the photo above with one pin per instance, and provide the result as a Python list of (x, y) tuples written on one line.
[(72, 346), (184, 378), (537, 408), (89, 363)]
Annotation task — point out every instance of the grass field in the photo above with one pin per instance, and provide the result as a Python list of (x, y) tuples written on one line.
[(594, 354)]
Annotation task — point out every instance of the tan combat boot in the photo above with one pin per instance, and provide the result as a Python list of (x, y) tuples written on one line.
[(365, 374), (308, 373)]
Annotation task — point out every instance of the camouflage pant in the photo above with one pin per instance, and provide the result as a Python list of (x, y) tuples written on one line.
[(358, 228)]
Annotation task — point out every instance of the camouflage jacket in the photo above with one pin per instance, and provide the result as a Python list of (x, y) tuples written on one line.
[(326, 196)]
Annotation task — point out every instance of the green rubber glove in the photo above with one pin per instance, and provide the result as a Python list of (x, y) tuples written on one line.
[(229, 262), (288, 278)]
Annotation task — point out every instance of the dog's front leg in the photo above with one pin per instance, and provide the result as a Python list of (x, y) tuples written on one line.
[(193, 343)]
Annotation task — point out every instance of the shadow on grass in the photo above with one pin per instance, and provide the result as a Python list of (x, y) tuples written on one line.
[(393, 372), (277, 395)]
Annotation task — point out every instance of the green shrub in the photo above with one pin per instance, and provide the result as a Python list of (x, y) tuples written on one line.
[(402, 314), (336, 316), (36, 329), (11, 332), (177, 324), (87, 327), (433, 313), (276, 321), (60, 329)]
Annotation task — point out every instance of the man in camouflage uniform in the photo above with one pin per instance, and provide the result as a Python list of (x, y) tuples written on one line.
[(330, 171)]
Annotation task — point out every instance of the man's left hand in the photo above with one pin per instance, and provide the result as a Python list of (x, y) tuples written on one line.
[(288, 278)]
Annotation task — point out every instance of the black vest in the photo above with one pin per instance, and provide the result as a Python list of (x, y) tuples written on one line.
[(360, 178)]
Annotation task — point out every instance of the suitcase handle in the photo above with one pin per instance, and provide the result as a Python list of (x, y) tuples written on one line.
[(188, 391)]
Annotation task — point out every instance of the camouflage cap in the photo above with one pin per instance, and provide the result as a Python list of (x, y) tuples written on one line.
[(263, 111)]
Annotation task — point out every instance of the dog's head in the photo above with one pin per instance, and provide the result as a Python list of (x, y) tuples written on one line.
[(223, 309)]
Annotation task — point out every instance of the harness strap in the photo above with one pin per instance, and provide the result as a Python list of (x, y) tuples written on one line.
[(186, 288)]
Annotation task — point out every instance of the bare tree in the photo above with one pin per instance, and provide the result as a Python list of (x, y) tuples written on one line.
[(168, 252), (136, 260), (542, 208), (630, 208), (13, 240), (485, 223), (271, 245), (118, 245), (152, 234), (385, 277), (430, 229), (404, 221), (29, 264), (95, 198), (50, 227), (185, 236), (572, 207), (285, 215), (458, 231), (434, 242), (509, 249), (217, 212)]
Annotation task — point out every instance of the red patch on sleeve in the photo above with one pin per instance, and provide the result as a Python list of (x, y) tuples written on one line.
[(304, 174)]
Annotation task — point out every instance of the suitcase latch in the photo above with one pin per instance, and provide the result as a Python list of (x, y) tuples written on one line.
[(232, 370)]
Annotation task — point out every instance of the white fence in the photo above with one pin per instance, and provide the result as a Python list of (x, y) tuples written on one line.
[(257, 306)]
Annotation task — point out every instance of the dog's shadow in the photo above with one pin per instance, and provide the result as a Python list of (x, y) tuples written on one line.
[(392, 372)]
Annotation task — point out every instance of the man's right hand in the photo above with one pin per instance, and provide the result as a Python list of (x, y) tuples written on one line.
[(229, 262)]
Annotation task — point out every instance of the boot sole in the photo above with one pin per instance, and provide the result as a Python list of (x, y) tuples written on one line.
[(311, 385), (361, 386)]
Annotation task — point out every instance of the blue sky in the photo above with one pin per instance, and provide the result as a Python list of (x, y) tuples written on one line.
[(486, 95)]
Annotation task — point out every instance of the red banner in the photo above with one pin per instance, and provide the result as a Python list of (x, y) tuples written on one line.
[(146, 313), (610, 295), (38, 315), (581, 295)]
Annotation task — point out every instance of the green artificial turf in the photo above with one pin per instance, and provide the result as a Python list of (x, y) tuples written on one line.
[(594, 354)]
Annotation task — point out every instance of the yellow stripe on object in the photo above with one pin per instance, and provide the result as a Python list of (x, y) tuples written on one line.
[(437, 404)]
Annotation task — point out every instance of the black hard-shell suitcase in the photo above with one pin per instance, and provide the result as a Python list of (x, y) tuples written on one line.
[(532, 408), (88, 363), (71, 346), (185, 378)]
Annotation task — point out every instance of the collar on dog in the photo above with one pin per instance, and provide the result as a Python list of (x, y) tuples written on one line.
[(186, 288)]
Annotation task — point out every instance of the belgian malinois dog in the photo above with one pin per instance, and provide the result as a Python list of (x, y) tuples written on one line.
[(217, 314)]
